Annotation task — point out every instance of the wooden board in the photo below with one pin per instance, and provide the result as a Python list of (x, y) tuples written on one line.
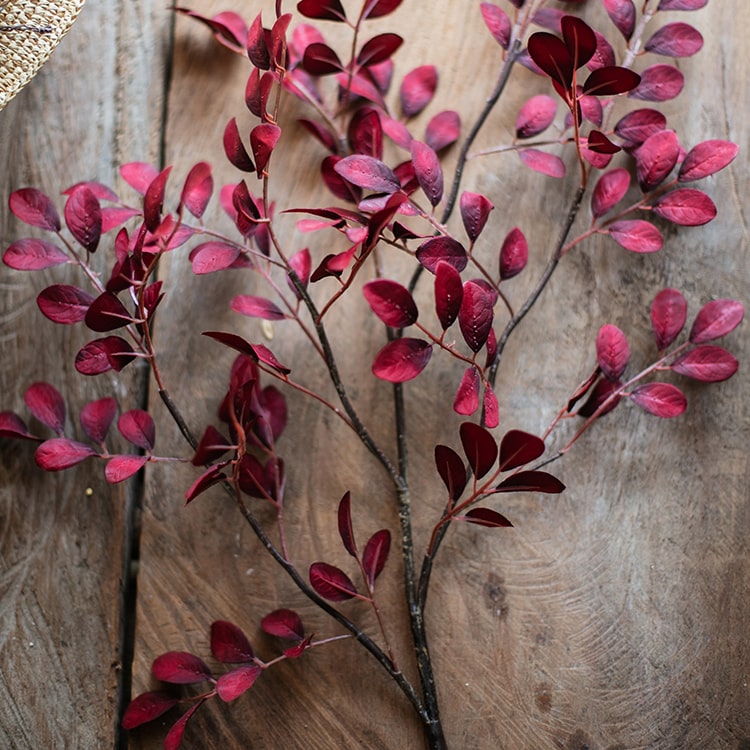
[(612, 616)]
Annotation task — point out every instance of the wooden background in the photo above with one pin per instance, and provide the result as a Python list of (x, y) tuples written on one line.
[(613, 616)]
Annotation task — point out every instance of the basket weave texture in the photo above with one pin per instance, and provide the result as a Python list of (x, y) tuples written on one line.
[(23, 51)]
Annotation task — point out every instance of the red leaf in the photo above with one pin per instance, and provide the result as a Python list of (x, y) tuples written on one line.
[(391, 302), (147, 707), (706, 159), (263, 140), (479, 446), (137, 427), (402, 359), (346, 532), (320, 60), (212, 446), (553, 57), (101, 355), (213, 475), (340, 187), (96, 418), (114, 216), (365, 133), (467, 395), (490, 406), (622, 13), (47, 405), (675, 40), (661, 399), (707, 363), (518, 448), (442, 248), (213, 256), (256, 44), (174, 735), (378, 49), (716, 319), (636, 235), (609, 191), (449, 292), (687, 207), (600, 144), (531, 481), (283, 623), (199, 185), (31, 254), (120, 468), (443, 130), (540, 161), (107, 313), (153, 200), (612, 351), (380, 8), (681, 4), (579, 38), (322, 133), (602, 391), (331, 582), (35, 208), (451, 469), (475, 210), (325, 10), (362, 85), (301, 264), (229, 644), (417, 89), (475, 314), (514, 254), (266, 356), (485, 517), (139, 175), (180, 668), (368, 173), (659, 83), (60, 453), (428, 171), (12, 426), (497, 22), (668, 315), (535, 116), (375, 555), (655, 159), (233, 684), (611, 80), (256, 307), (83, 216), (604, 55), (228, 28), (635, 127)]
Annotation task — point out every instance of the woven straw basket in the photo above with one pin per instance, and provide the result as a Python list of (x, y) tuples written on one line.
[(24, 50)]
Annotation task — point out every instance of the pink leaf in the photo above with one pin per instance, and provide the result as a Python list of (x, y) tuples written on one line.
[(120, 468), (681, 4), (428, 171), (346, 532), (107, 313), (514, 254), (531, 481), (368, 173), (636, 126), (467, 395), (174, 736), (485, 517), (96, 418), (659, 83), (706, 159), (375, 555), (612, 351), (60, 453), (199, 186), (636, 235), (283, 623), (491, 407), (47, 405), (147, 707), (451, 469), (115, 216), (35, 208), (83, 216), (263, 140), (535, 116), (402, 359), (12, 426), (31, 254), (479, 446), (101, 355), (213, 256), (655, 159), (475, 314), (325, 10), (137, 427), (622, 14), (661, 399), (417, 89), (518, 448), (153, 200), (687, 207), (707, 363), (716, 319), (540, 161), (675, 40), (668, 315), (609, 191), (391, 302), (443, 130), (139, 175), (256, 307), (301, 264), (475, 210), (180, 668), (331, 582), (449, 292), (378, 49), (442, 248), (497, 21), (229, 644), (233, 684)]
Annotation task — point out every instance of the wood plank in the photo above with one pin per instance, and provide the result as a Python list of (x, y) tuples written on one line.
[(64, 543)]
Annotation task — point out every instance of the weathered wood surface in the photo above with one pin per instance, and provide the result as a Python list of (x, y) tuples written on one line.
[(613, 616)]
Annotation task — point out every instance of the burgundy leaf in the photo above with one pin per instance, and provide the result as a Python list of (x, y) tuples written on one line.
[(263, 140), (485, 517), (60, 453), (256, 307), (107, 313), (199, 185), (47, 405), (139, 175), (301, 264), (655, 159), (612, 351), (256, 44), (31, 254), (497, 21), (120, 468), (707, 363), (451, 469), (320, 60), (687, 207), (661, 399), (600, 144), (174, 736), (340, 187), (12, 426), (531, 481), (675, 40), (331, 582), (96, 418), (283, 623), (137, 427), (579, 38), (706, 159), (229, 29), (266, 356), (278, 42), (490, 406), (636, 126), (211, 476), (378, 49), (153, 200), (83, 216), (346, 532), (322, 133), (391, 302), (147, 707), (396, 131), (428, 171), (115, 216), (479, 446), (212, 446), (716, 319), (229, 644), (475, 210), (668, 315), (362, 85), (467, 395), (417, 89), (541, 161), (636, 235), (449, 292), (609, 191), (442, 248), (604, 55), (402, 359), (35, 208), (475, 314), (213, 256), (325, 10), (514, 254), (368, 173), (600, 394), (180, 668), (622, 14), (611, 80), (681, 4), (365, 133), (518, 448), (659, 83), (375, 555), (535, 116), (233, 684), (101, 355), (552, 56), (443, 130), (380, 8)]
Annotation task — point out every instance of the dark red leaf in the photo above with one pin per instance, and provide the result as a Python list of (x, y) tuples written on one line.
[(375, 555), (139, 175), (475, 314), (475, 210), (263, 140), (622, 13), (233, 684), (490, 405), (283, 623), (35, 208), (661, 399), (442, 248), (83, 216), (107, 313), (656, 158), (579, 38), (449, 292), (417, 89), (174, 736), (428, 171), (635, 127), (443, 130), (331, 582), (147, 707), (322, 133), (600, 144), (211, 476), (706, 159), (320, 60), (363, 85), (716, 319), (47, 405), (199, 185), (341, 188), (346, 532), (229, 644), (101, 355), (380, 8), (229, 29), (535, 116), (612, 351), (609, 191), (479, 446), (675, 40), (451, 469), (681, 4), (213, 256), (212, 446), (378, 49), (531, 481), (180, 668), (31, 254), (256, 307), (514, 254), (325, 10), (402, 359), (600, 394), (278, 43), (611, 80), (707, 363), (552, 56), (391, 302), (153, 200), (365, 133), (541, 161), (120, 468), (485, 517), (256, 44), (60, 453), (497, 21), (668, 315), (518, 448), (12, 426), (687, 207), (267, 357), (368, 173), (659, 83), (466, 401), (604, 55), (137, 427), (636, 235)]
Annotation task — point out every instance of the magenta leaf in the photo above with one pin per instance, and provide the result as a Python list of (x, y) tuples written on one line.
[(147, 707), (229, 644), (196, 192), (365, 133), (120, 468), (655, 159), (402, 359), (475, 314), (661, 399), (428, 171), (12, 426), (716, 319), (485, 517), (213, 256), (47, 405), (612, 351), (610, 189), (636, 126), (498, 23), (331, 582), (83, 216), (668, 316), (675, 40), (707, 363), (636, 235), (233, 684), (107, 313), (283, 623), (622, 14), (320, 60), (466, 401), (139, 175), (443, 130), (235, 149), (479, 446), (706, 159), (451, 469), (301, 264), (449, 292), (368, 173), (375, 555), (659, 83), (256, 44), (256, 307), (65, 304), (60, 453), (31, 254), (180, 668), (531, 481), (137, 427), (687, 207), (35, 208), (514, 254), (174, 736), (518, 448), (391, 302), (442, 248), (475, 210), (417, 89), (153, 200), (378, 49), (294, 652), (681, 4), (535, 116), (542, 162), (346, 531), (229, 29), (101, 355), (491, 407), (263, 140), (325, 10)]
